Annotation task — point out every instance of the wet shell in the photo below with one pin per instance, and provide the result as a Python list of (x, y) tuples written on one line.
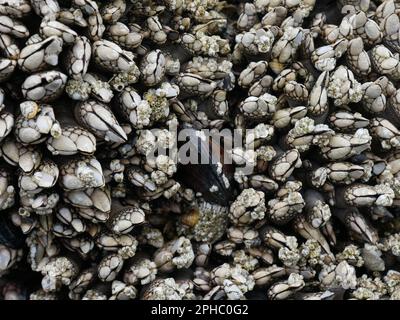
[(10, 235), (213, 181)]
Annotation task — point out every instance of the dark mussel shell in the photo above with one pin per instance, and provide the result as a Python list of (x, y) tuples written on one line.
[(10, 235), (212, 180)]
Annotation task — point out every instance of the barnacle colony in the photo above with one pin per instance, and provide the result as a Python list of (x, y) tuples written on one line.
[(111, 188)]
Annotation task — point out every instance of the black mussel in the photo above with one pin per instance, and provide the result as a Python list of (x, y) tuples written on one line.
[(10, 235), (213, 176)]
